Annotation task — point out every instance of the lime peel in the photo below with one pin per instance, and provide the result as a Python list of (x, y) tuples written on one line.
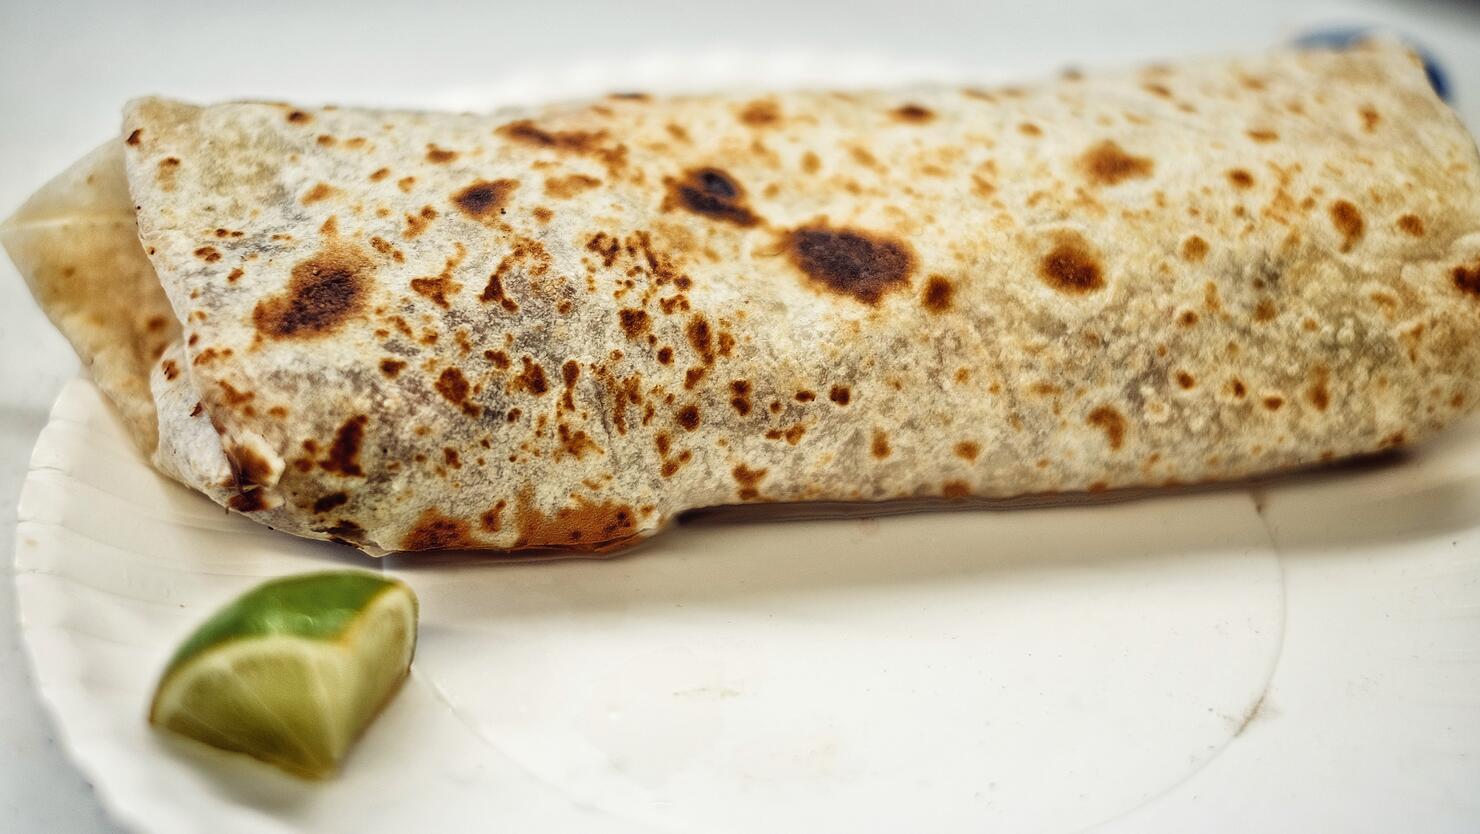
[(292, 672)]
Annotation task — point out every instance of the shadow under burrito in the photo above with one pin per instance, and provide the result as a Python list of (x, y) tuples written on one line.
[(709, 562), (1431, 491)]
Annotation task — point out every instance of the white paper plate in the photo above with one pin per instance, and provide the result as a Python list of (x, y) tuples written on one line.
[(1304, 656), (1221, 660)]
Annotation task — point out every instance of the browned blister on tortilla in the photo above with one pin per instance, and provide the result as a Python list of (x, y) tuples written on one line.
[(560, 327)]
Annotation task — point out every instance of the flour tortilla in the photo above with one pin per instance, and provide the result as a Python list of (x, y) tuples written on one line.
[(562, 326), (76, 244)]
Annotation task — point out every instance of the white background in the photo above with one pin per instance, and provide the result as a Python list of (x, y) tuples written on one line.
[(65, 69)]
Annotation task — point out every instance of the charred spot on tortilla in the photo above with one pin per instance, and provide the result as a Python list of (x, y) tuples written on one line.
[(528, 133), (840, 394), (760, 113), (248, 501), (740, 399), (749, 481), (1071, 266), (418, 223), (323, 292), (248, 468), (165, 172), (712, 193), (493, 292), (634, 321), (440, 156), (570, 372), (937, 294), (484, 197), (1194, 249), (492, 519), (1107, 163), (564, 188), (955, 489), (1240, 178), (864, 158), (320, 191), (879, 447), (700, 338), (1111, 422), (1411, 224), (343, 455), (328, 502), (584, 526), (229, 392), (345, 531), (133, 138), (1467, 278), (1347, 219), (1397, 438), (608, 247), (435, 531), (532, 378), (437, 289), (859, 264), (912, 113), (453, 386), (1319, 393)]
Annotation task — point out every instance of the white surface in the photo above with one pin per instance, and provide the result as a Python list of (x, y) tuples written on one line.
[(1296, 657), (1378, 588)]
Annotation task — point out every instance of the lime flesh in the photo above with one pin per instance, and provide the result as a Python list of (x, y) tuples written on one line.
[(292, 672)]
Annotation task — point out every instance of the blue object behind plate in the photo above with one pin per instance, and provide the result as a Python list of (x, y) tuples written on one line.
[(1339, 37)]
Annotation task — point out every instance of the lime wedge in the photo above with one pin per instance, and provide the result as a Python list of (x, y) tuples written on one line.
[(292, 672)]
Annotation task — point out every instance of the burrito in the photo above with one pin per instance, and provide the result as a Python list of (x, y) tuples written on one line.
[(563, 326)]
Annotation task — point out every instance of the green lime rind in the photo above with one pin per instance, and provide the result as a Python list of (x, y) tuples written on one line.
[(293, 672), (316, 606)]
